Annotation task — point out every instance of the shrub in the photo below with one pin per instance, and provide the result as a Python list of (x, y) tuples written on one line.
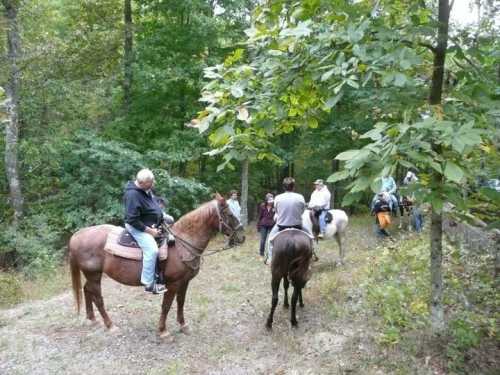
[(10, 289)]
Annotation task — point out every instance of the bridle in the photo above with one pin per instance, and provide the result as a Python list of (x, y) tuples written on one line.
[(197, 251)]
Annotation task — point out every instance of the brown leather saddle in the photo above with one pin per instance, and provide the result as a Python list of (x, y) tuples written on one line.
[(314, 216), (120, 243), (126, 239)]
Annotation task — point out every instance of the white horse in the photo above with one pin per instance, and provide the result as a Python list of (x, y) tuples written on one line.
[(334, 229)]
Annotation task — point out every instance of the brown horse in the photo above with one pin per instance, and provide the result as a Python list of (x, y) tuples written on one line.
[(193, 231), (292, 253)]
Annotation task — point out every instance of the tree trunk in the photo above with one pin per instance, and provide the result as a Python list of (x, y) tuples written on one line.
[(436, 306), (244, 192), (335, 168), (128, 55), (12, 103)]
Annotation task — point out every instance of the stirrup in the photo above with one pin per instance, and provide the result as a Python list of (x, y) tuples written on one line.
[(155, 288)]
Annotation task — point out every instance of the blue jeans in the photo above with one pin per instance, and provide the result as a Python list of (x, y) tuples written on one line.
[(418, 220), (264, 232), (322, 221), (149, 253)]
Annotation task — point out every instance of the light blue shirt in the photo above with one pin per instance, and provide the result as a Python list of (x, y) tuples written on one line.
[(235, 208), (388, 185)]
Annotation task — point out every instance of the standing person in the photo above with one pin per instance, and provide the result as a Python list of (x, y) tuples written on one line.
[(381, 210), (416, 214), (143, 215), (389, 186), (289, 208), (234, 205), (266, 221), (320, 201)]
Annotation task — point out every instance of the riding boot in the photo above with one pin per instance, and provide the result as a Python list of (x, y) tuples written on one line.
[(159, 275)]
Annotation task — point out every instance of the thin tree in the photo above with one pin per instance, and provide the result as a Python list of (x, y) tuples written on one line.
[(244, 192), (128, 55), (11, 8), (435, 100)]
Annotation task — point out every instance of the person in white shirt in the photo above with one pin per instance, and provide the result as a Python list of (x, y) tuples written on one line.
[(234, 205), (320, 201)]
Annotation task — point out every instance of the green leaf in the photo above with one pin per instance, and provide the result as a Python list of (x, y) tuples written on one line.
[(374, 134), (347, 155), (330, 103), (312, 123), (453, 172), (399, 79), (338, 176), (326, 75)]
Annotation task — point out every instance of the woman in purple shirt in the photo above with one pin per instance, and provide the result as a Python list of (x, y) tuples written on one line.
[(266, 221)]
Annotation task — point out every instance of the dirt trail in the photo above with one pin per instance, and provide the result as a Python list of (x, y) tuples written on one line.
[(226, 308)]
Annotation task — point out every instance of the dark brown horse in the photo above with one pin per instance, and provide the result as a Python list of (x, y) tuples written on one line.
[(292, 253), (193, 231)]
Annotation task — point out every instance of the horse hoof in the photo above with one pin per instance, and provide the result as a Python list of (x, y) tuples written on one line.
[(185, 329), (295, 324), (301, 304), (166, 336), (113, 329), (91, 322)]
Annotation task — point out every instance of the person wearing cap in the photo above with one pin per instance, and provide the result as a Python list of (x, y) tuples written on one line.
[(320, 201), (143, 216), (265, 221)]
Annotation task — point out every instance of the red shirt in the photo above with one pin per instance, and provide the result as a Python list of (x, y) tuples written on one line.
[(266, 216)]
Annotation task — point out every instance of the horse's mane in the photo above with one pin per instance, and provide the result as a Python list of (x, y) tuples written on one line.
[(201, 213)]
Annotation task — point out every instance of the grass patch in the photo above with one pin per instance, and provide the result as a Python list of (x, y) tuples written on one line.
[(16, 288)]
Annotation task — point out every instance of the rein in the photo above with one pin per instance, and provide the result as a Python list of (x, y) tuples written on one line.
[(197, 251)]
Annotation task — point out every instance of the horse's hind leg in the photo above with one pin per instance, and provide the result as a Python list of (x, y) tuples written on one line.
[(88, 302), (286, 284), (338, 238), (295, 296), (275, 285), (93, 290), (301, 302)]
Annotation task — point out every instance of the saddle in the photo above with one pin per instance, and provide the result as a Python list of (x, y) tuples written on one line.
[(121, 243), (314, 216), (271, 239)]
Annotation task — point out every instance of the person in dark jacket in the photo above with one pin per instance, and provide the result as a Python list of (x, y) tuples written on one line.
[(266, 221), (382, 211), (143, 216)]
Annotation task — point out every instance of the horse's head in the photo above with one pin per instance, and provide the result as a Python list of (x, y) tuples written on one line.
[(229, 224)]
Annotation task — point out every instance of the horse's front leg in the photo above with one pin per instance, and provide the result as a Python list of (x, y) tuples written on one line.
[(168, 298), (181, 297)]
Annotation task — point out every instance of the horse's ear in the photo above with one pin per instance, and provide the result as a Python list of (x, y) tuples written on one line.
[(219, 198)]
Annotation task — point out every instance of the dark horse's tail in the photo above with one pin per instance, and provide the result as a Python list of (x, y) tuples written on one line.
[(76, 281), (300, 249)]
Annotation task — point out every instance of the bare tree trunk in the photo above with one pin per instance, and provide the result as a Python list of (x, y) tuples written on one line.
[(244, 192), (435, 97), (12, 125), (128, 55)]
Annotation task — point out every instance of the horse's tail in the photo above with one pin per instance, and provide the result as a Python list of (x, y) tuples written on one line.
[(299, 266), (76, 281)]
